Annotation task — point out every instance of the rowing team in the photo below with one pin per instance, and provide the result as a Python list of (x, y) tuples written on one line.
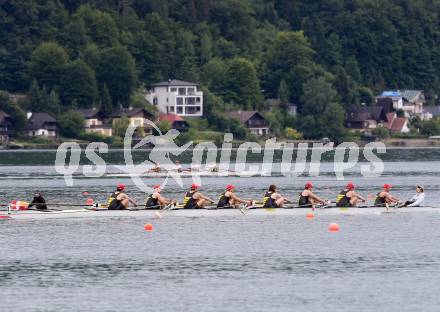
[(194, 198)]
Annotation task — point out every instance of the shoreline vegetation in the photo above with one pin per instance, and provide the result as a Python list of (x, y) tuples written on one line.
[(260, 55), (391, 142)]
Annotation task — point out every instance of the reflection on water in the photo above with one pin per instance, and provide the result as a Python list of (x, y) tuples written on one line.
[(47, 157), (241, 263)]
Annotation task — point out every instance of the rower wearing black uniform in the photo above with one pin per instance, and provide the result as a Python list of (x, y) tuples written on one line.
[(194, 199), (307, 198), (39, 202), (119, 200), (156, 200), (273, 199), (348, 197), (229, 199), (384, 197)]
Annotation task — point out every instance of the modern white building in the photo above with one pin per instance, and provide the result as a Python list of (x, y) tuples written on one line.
[(177, 97)]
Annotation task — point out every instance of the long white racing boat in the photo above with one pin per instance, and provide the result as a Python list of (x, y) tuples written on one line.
[(184, 174), (191, 213)]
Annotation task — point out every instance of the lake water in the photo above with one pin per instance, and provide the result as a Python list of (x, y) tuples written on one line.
[(243, 263)]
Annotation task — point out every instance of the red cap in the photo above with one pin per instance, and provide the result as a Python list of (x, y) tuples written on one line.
[(121, 187), (195, 186), (157, 186), (387, 186), (308, 185), (230, 187), (350, 186)]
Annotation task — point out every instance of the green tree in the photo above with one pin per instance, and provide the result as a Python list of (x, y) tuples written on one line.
[(430, 127), (116, 68), (213, 76), (71, 124), (47, 64), (17, 114), (243, 85), (120, 126), (283, 93), (106, 101), (290, 58), (78, 85)]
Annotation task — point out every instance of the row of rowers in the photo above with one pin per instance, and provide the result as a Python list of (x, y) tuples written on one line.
[(194, 198)]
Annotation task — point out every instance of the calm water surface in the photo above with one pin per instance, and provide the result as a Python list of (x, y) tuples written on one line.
[(243, 263)]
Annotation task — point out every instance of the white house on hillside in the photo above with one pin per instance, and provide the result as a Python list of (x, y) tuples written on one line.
[(177, 97)]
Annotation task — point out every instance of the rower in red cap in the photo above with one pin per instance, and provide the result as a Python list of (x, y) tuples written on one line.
[(229, 199), (307, 198), (384, 197), (348, 197), (119, 200), (155, 200), (195, 199)]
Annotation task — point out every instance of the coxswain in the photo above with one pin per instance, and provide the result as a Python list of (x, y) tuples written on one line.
[(195, 199), (273, 199), (308, 199), (119, 200), (39, 202), (229, 199), (418, 199), (384, 197), (348, 197), (156, 200)]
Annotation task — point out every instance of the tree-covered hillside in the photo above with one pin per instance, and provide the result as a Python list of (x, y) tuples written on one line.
[(323, 55)]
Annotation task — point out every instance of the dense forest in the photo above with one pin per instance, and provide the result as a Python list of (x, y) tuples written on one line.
[(322, 55)]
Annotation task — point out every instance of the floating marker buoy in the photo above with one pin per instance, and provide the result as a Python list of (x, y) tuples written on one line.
[(4, 217), (333, 227), (148, 227), (85, 193), (89, 201), (310, 215)]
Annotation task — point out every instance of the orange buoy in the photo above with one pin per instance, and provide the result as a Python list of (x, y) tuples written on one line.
[(310, 215), (333, 227), (148, 227), (89, 201)]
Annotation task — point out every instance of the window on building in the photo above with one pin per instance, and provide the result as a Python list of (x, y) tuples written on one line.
[(173, 89), (172, 109), (190, 101), (191, 91), (179, 109), (198, 100), (179, 101), (182, 91), (155, 100)]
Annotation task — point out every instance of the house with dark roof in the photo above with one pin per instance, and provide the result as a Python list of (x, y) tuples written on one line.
[(175, 121), (6, 128), (365, 117), (177, 97), (96, 122), (432, 111), (42, 124), (252, 120), (137, 117)]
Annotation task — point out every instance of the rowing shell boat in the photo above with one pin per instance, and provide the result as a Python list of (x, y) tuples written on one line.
[(192, 213), (164, 174)]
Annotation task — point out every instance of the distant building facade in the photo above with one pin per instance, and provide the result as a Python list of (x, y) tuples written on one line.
[(137, 117), (42, 124), (6, 128), (177, 97), (252, 120), (95, 122), (175, 121)]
